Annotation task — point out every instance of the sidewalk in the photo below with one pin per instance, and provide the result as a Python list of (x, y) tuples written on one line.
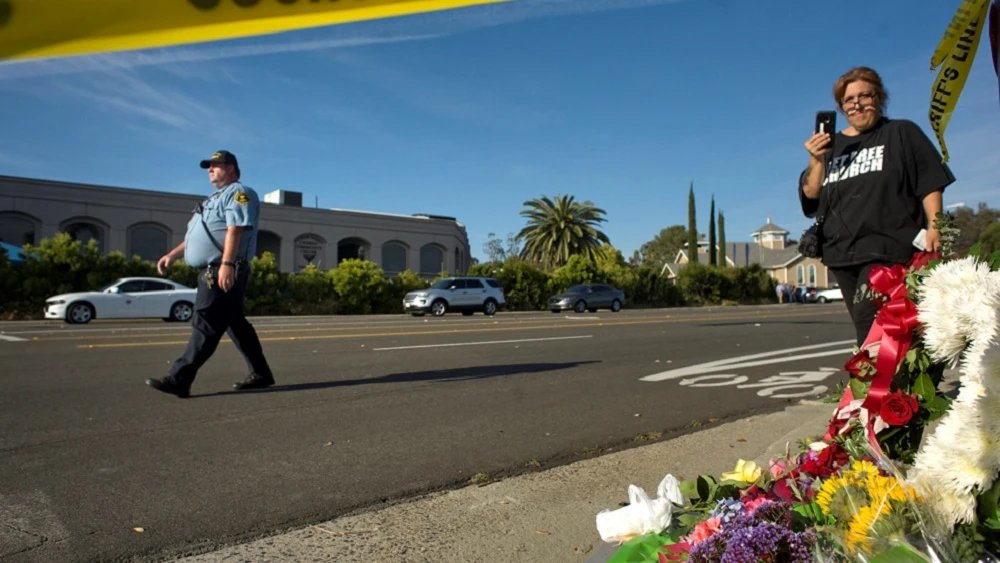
[(547, 516)]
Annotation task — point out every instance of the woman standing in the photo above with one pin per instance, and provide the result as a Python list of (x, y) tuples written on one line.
[(875, 187)]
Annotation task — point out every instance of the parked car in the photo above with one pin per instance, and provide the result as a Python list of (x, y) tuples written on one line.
[(465, 294), (827, 295), (588, 297), (125, 298), (804, 294)]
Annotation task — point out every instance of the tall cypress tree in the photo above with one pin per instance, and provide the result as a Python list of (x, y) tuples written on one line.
[(722, 240), (692, 228), (712, 251)]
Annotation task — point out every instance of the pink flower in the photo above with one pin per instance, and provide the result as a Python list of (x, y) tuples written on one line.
[(777, 468), (704, 530), (750, 504)]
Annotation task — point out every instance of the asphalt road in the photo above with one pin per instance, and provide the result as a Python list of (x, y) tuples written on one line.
[(367, 410)]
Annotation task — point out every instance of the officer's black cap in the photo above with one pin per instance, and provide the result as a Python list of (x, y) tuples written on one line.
[(221, 157)]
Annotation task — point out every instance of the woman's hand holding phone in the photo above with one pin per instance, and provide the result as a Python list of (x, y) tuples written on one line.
[(818, 146)]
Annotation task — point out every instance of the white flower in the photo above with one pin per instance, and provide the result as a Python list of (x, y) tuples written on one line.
[(955, 303), (818, 446), (960, 308)]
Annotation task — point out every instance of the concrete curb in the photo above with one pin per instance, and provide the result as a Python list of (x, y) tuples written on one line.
[(544, 516)]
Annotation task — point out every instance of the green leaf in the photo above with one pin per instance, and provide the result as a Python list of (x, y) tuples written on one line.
[(974, 250), (988, 502), (691, 519), (938, 407), (858, 388), (899, 554), (640, 549), (729, 489), (689, 489), (924, 387), (706, 487), (810, 511)]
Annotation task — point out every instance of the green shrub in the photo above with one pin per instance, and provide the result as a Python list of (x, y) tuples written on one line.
[(63, 265), (360, 286)]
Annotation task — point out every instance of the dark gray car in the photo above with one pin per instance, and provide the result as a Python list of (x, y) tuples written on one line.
[(588, 297)]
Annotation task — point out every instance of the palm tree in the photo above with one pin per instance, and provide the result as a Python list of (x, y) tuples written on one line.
[(557, 230)]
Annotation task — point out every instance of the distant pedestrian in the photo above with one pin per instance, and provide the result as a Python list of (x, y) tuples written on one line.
[(780, 289), (220, 242)]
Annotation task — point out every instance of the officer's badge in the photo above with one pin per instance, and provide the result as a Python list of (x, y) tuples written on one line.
[(242, 198)]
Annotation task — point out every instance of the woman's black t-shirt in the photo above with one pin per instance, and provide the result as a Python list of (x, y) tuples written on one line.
[(872, 198)]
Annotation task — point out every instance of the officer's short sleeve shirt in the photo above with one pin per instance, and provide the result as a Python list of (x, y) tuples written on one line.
[(235, 205)]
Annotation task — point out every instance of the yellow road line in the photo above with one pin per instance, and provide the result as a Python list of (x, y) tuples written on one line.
[(586, 324)]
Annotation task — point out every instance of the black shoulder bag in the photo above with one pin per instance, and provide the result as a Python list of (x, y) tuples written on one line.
[(811, 241)]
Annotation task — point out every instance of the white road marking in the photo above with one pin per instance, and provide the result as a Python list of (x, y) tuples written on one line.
[(12, 338), (751, 361), (806, 382), (482, 343)]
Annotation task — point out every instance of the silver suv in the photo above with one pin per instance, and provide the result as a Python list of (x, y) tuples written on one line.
[(465, 294)]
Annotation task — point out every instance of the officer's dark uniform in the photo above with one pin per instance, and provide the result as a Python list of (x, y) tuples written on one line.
[(217, 311)]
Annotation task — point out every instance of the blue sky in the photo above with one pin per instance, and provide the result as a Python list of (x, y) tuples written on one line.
[(469, 113)]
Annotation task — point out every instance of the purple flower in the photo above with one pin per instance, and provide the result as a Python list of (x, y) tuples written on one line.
[(762, 535), (769, 542)]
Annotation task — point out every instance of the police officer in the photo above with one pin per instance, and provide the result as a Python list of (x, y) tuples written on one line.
[(220, 242)]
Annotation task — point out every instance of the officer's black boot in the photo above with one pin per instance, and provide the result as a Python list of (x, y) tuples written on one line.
[(255, 381), (168, 385)]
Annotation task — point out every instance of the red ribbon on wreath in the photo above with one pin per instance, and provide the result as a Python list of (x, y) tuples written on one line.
[(893, 330), (893, 327)]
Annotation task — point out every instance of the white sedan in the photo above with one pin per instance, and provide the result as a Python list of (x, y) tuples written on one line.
[(827, 295), (126, 298)]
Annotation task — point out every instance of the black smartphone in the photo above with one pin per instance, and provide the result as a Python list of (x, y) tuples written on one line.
[(826, 122)]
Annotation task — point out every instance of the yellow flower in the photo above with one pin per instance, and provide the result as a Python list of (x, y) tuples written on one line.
[(859, 535), (888, 489), (746, 471), (862, 470), (841, 498), (825, 495)]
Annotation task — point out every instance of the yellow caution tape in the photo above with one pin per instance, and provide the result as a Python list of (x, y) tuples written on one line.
[(51, 28), (955, 53), (965, 13)]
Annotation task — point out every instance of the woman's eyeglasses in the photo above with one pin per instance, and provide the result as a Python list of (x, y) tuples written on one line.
[(862, 98)]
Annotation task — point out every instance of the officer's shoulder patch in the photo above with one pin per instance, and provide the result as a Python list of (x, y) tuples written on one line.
[(241, 197)]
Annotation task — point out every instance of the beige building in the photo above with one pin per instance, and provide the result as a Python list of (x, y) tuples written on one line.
[(770, 248), (149, 223)]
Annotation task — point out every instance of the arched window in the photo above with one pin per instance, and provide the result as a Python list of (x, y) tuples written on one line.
[(431, 259), (812, 275), (309, 249), (18, 229), (148, 241), (85, 229), (800, 275), (353, 248), (269, 242), (458, 261), (394, 257)]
